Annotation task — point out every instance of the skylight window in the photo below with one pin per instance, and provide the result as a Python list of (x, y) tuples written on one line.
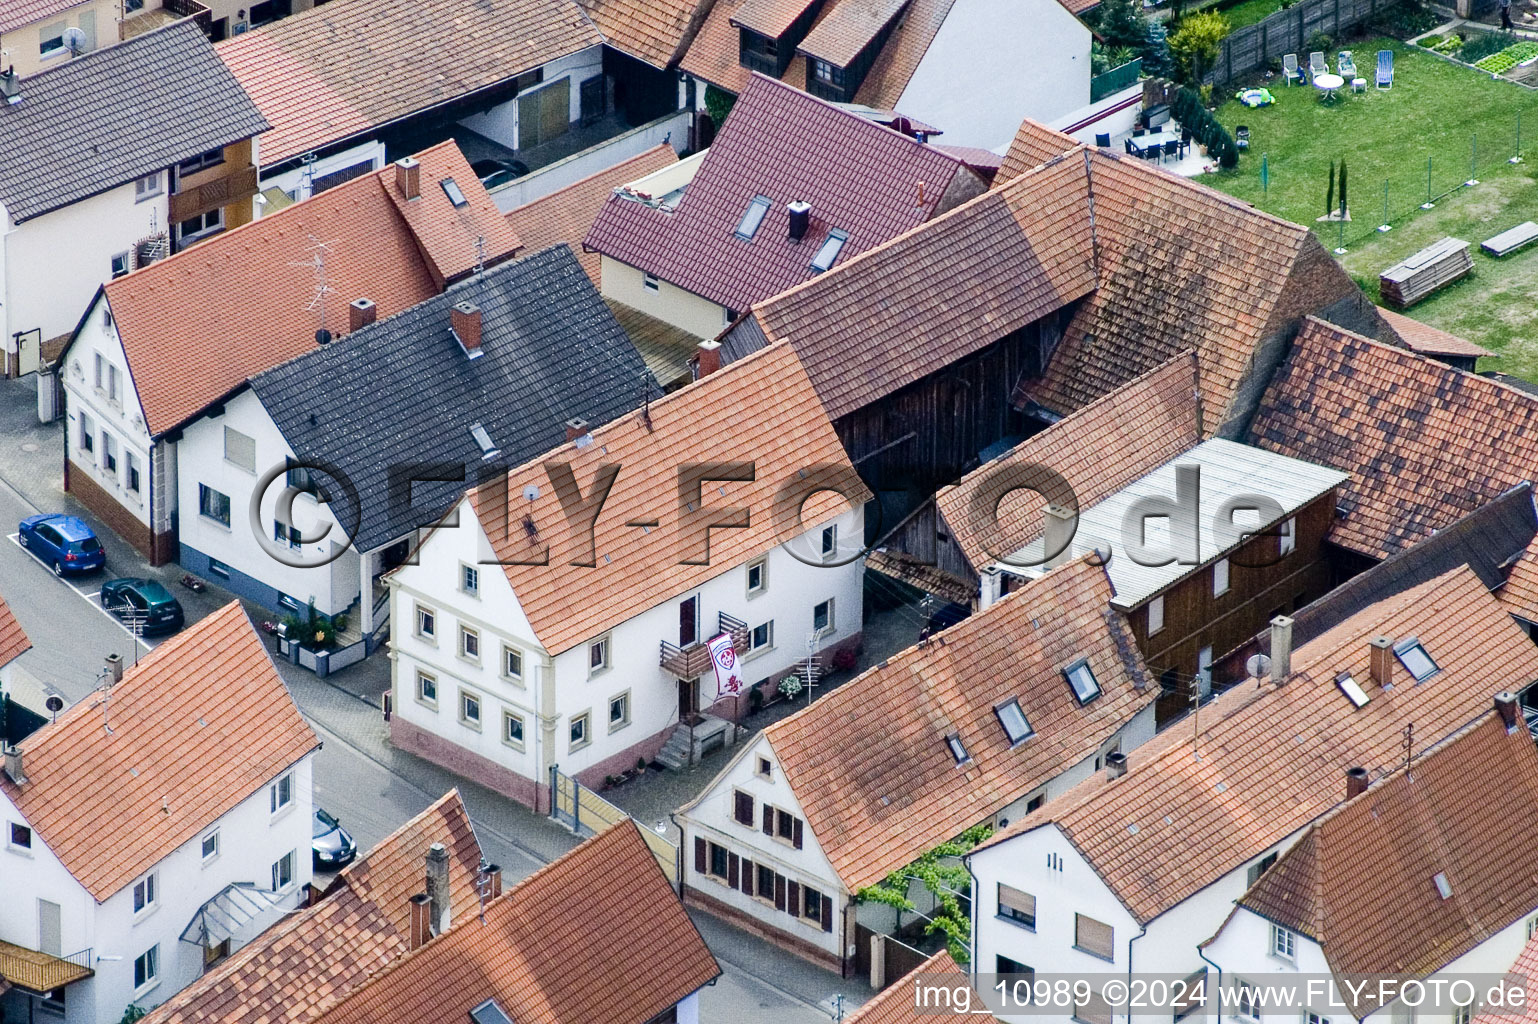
[(1353, 691), (1412, 655), (1081, 679), (752, 217), (957, 748), (490, 1013), (1444, 888), (453, 191), (829, 250), (1016, 726), (483, 439)]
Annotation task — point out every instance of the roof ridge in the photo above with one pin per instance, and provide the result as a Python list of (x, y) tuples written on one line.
[(117, 49), (452, 796), (1233, 202), (1410, 355), (801, 95)]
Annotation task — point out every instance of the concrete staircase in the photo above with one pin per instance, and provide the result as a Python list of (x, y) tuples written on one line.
[(683, 750)]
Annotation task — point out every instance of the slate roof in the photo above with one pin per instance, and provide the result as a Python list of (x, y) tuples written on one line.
[(1273, 758), (869, 762), (1033, 145), (1361, 881), (781, 143), (198, 725), (1102, 448), (183, 102), (896, 1004), (721, 418), (551, 352), (597, 937), (1424, 443), (13, 639), (292, 971), (338, 71), (196, 326), (655, 31), (1428, 340), (566, 215)]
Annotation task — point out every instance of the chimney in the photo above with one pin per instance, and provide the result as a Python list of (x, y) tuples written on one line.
[(1506, 704), (408, 177), (114, 669), (709, 359), (800, 219), (1115, 764), (13, 765), (360, 313), (1057, 541), (493, 881), (575, 427), (1356, 782), (10, 86), (438, 887), (1380, 661), (418, 930), (465, 319), (1281, 649)]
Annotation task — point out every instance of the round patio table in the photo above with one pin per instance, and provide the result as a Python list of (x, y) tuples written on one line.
[(1328, 85)]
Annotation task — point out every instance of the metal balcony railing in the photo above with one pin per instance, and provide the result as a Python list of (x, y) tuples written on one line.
[(42, 972)]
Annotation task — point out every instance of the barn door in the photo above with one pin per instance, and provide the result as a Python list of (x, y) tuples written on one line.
[(544, 114)]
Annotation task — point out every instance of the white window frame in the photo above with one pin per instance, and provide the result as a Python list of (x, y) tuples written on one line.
[(762, 565), (241, 440), (424, 681), (151, 969), (1283, 944), (606, 661), (832, 623), (207, 854), (469, 579), (125, 259), (10, 835), (624, 699), (469, 637), (650, 282), (507, 718), (754, 647), (284, 874), (509, 652), (828, 543), (468, 701), (426, 616), (1220, 581), (147, 187), (586, 720), (145, 897), (280, 794)]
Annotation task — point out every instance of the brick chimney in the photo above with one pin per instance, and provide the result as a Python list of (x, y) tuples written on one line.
[(1057, 540), (419, 929), (575, 427), (408, 177), (465, 319), (13, 767), (708, 358), (360, 313), (1281, 649), (1380, 660), (1115, 764), (1356, 782), (1506, 704), (439, 912)]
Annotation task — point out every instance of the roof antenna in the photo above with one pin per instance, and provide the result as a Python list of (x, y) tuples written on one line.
[(646, 399), (317, 262), (480, 268), (1196, 716), (483, 885), (1409, 747)]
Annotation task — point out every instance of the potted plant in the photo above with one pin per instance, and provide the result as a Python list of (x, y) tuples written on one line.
[(640, 766), (790, 686)]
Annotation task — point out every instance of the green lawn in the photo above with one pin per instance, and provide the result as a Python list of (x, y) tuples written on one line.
[(1437, 111), (1250, 12)]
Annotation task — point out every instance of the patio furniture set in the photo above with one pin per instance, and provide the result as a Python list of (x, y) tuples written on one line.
[(1329, 84)]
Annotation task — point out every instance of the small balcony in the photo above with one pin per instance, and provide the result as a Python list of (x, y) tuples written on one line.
[(194, 10), (694, 661), (42, 972), (238, 184)]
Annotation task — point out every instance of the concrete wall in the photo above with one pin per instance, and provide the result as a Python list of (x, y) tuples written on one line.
[(994, 63), (296, 180), (1114, 115), (684, 310), (673, 129)]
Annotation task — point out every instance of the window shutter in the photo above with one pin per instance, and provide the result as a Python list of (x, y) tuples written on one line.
[(779, 892), (731, 870), (768, 820), (1017, 900), (699, 854), (1094, 936), (744, 809), (796, 840), (747, 877), (827, 912), (793, 898)]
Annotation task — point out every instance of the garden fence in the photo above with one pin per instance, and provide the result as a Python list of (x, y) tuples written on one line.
[(1253, 47)]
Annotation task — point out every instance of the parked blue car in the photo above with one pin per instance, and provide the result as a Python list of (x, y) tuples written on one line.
[(65, 543)]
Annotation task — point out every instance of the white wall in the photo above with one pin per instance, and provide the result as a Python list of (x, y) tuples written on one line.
[(53, 263), (996, 62), (123, 418), (296, 182), (672, 128), (500, 123), (669, 303), (251, 840)]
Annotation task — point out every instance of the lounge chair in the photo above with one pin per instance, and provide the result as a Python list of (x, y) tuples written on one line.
[(1385, 69), (1290, 69), (1345, 66), (1316, 65)]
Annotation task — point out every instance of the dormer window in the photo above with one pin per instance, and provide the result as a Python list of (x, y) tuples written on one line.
[(454, 192), (829, 250), (752, 217), (1016, 726), (956, 747), (1081, 679), (1416, 661)]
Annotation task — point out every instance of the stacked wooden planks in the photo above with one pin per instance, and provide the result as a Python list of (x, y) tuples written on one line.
[(1511, 239), (1440, 263)]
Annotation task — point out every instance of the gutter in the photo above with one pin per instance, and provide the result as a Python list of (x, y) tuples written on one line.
[(1203, 954)]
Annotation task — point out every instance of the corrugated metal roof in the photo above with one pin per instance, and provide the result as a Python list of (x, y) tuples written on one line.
[(1228, 471)]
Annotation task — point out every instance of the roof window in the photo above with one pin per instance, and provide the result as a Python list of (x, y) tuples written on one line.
[(1353, 691), (490, 1013), (957, 748), (1444, 888), (453, 191), (752, 217), (1016, 726), (829, 250), (1081, 679), (483, 439), (1412, 655)]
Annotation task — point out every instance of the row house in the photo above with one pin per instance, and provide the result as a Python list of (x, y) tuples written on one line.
[(983, 722), (170, 342), (764, 208), (1146, 860), (561, 614), (454, 372), (143, 172), (156, 827), (1389, 885)]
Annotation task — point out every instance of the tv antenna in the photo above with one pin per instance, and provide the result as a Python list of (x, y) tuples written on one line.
[(317, 263)]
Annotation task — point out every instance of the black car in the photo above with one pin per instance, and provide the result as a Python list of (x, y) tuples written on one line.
[(141, 601), (330, 845), (498, 171)]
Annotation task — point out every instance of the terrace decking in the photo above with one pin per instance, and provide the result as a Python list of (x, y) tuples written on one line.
[(41, 972)]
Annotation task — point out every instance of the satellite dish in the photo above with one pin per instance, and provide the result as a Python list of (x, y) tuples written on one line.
[(530, 493), (54, 703), (74, 40), (1258, 665)]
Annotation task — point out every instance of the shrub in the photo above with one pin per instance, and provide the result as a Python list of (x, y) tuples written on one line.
[(1406, 19), (1319, 41), (1196, 43), (718, 104), (340, 622), (1156, 51), (1122, 23)]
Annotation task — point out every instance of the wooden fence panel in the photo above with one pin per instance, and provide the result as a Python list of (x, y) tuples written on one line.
[(1250, 49)]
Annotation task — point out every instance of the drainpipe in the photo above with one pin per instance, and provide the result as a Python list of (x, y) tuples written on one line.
[(1218, 990), (966, 862), (544, 702), (1142, 931)]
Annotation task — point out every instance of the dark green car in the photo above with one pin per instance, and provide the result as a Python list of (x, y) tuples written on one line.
[(141, 602)]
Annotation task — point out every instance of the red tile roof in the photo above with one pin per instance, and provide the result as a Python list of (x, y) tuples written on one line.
[(770, 18), (1273, 758), (1361, 881), (1034, 144), (338, 71), (198, 325), (1428, 340), (859, 177), (1425, 444), (597, 937), (19, 13), (869, 762), (197, 726), (655, 31), (567, 215), (1526, 968), (896, 1003), (848, 29), (13, 639), (889, 76), (300, 965)]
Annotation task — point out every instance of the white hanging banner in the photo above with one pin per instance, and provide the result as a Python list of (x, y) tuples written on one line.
[(724, 656)]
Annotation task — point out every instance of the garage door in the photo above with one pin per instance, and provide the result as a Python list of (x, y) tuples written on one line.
[(545, 113)]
